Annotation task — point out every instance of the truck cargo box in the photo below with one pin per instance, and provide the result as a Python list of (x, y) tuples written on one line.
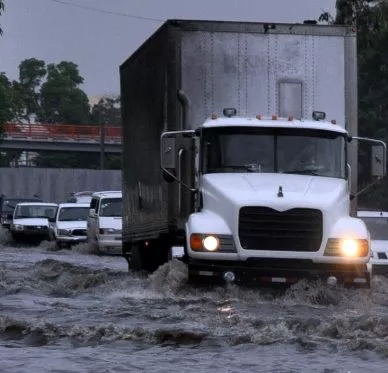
[(257, 68)]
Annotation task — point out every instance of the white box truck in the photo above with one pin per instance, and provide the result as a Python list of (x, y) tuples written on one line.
[(240, 148)]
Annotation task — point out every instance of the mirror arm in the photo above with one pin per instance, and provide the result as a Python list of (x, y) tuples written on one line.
[(379, 142), (184, 133), (193, 190), (353, 196)]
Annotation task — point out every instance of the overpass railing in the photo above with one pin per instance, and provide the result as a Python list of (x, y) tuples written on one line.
[(61, 132)]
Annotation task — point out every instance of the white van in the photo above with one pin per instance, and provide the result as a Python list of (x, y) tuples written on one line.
[(105, 222)]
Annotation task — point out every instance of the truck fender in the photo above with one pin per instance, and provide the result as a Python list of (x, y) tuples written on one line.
[(206, 222), (348, 227)]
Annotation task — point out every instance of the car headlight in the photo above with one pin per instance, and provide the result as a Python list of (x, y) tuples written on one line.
[(198, 242), (18, 227), (64, 232), (348, 247)]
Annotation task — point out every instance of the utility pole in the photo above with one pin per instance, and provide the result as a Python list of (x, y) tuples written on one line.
[(102, 141)]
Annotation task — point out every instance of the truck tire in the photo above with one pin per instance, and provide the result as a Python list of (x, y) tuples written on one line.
[(366, 285), (136, 258), (148, 258)]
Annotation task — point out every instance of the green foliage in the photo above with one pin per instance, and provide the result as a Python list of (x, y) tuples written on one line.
[(51, 94), (61, 99), (5, 99), (371, 19), (1, 11), (107, 111)]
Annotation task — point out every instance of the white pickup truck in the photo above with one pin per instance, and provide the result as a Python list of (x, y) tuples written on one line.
[(31, 220)]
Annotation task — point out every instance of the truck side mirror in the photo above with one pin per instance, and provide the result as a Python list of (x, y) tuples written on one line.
[(378, 161), (167, 155), (167, 150)]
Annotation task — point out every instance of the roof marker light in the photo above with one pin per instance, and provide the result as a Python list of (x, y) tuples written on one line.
[(274, 117), (229, 112), (258, 117), (333, 121), (214, 116), (319, 115), (290, 118)]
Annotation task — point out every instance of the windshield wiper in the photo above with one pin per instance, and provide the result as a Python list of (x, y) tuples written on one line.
[(303, 172)]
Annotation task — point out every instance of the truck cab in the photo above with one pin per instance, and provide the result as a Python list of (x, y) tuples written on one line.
[(269, 198)]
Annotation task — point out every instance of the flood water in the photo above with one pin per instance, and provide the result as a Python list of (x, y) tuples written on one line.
[(70, 311)]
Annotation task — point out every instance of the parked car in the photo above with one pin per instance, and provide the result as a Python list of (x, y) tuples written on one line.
[(105, 222), (31, 220), (69, 225), (377, 224), (7, 206), (80, 197)]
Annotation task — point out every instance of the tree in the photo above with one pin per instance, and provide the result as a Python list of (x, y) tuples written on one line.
[(61, 99), (6, 103), (1, 11), (27, 90), (107, 111), (371, 19)]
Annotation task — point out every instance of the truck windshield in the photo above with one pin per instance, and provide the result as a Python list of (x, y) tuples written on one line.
[(378, 227), (274, 150)]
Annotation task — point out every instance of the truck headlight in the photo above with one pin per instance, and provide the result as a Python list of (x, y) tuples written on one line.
[(349, 247), (198, 242), (211, 243), (18, 227)]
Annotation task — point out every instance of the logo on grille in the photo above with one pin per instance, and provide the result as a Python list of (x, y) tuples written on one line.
[(280, 192)]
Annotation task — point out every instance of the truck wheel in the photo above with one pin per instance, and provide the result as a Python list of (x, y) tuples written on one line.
[(366, 285), (136, 258), (148, 258)]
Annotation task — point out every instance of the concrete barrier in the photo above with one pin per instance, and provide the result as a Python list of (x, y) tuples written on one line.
[(56, 184)]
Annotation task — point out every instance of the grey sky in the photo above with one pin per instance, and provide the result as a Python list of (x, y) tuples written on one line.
[(99, 42)]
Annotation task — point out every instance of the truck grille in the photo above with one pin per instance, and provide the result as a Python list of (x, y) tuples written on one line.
[(263, 228)]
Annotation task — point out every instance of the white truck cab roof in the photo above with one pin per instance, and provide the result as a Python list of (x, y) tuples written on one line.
[(81, 197), (276, 122), (108, 193)]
